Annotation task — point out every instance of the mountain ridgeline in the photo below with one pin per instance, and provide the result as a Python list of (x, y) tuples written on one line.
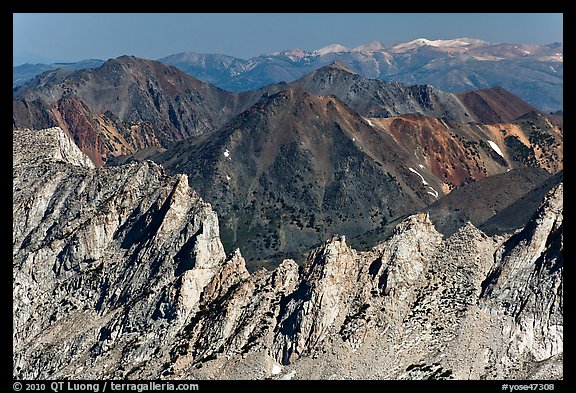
[(125, 105), (532, 72), (289, 165)]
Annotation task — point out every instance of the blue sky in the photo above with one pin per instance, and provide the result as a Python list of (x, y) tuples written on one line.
[(72, 37)]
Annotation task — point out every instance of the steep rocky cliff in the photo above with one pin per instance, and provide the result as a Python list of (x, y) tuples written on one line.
[(119, 272), (106, 261)]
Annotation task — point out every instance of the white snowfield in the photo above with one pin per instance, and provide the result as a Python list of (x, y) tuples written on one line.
[(460, 42), (496, 148), (333, 48), (227, 154), (376, 46)]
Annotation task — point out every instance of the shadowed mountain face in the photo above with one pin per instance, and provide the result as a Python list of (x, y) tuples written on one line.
[(518, 213), (125, 105), (294, 169), (494, 105), (479, 201)]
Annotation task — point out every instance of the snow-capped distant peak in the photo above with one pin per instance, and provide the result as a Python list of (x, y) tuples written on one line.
[(374, 46), (413, 44), (458, 42), (334, 48), (294, 53)]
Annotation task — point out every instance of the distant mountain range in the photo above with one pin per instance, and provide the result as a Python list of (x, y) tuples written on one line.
[(24, 72), (532, 72)]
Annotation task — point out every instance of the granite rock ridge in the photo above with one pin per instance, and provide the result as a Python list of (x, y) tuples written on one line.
[(119, 272)]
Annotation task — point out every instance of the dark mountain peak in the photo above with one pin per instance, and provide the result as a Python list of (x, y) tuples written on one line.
[(123, 60), (148, 104), (377, 98), (494, 105), (294, 169), (338, 65), (296, 95), (147, 68), (128, 58)]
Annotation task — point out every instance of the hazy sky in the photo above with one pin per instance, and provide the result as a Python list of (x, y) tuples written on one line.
[(72, 37)]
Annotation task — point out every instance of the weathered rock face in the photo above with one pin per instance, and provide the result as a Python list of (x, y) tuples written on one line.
[(50, 144), (120, 273), (102, 259), (525, 286)]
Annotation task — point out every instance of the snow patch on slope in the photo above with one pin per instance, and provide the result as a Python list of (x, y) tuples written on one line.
[(496, 148), (433, 192), (276, 369), (421, 177)]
